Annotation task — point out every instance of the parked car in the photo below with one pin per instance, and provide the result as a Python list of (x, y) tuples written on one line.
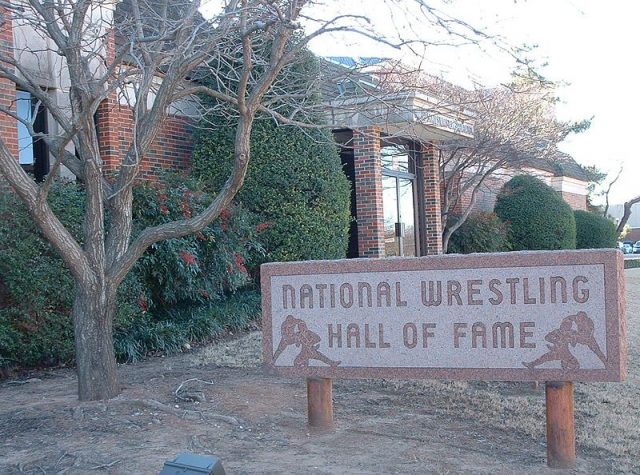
[(636, 247), (627, 247)]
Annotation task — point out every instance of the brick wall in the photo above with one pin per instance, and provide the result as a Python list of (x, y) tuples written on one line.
[(488, 193), (455, 206), (8, 129), (432, 232), (633, 235), (368, 187), (575, 200), (171, 150)]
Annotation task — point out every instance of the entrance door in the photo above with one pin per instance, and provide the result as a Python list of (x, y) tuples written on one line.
[(398, 201)]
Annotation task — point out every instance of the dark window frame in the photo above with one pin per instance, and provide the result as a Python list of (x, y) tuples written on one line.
[(39, 168)]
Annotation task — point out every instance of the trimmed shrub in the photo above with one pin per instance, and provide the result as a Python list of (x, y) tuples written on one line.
[(632, 263), (180, 291), (295, 185), (594, 231), (135, 338), (481, 232), (536, 215)]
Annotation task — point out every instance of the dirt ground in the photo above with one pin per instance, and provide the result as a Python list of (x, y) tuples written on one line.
[(257, 423)]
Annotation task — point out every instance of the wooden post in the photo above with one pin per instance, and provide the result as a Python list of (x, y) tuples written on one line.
[(320, 403), (561, 437)]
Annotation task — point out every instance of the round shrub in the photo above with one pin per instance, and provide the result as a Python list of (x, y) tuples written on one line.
[(536, 215), (481, 232), (294, 184), (594, 231)]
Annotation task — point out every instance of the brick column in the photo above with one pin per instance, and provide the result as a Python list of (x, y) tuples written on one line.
[(432, 232), (115, 131), (114, 122), (368, 186), (8, 125)]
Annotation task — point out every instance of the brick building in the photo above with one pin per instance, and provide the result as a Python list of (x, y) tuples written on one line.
[(114, 119), (393, 165), (563, 175), (388, 148)]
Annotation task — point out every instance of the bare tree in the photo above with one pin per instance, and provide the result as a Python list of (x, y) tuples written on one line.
[(149, 56), (515, 128), (607, 192), (628, 205)]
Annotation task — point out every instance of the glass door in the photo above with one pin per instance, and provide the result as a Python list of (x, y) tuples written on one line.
[(390, 207), (407, 239), (398, 201)]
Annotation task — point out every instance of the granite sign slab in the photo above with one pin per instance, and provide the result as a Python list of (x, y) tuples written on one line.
[(539, 316)]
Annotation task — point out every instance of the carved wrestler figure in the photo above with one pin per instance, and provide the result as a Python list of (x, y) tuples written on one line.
[(566, 335), (560, 340), (295, 332)]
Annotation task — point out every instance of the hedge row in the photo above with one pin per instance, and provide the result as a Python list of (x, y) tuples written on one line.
[(632, 263), (530, 215), (182, 290)]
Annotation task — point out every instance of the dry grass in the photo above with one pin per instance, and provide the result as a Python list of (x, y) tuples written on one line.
[(257, 424), (243, 352)]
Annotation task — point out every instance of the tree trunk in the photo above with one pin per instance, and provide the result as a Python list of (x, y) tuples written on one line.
[(93, 312)]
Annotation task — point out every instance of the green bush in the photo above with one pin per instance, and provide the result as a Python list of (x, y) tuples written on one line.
[(36, 290), (199, 268), (536, 215), (481, 232), (133, 339), (631, 263), (594, 231), (295, 185), (180, 291)]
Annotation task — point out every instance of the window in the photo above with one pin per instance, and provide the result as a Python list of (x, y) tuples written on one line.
[(33, 153)]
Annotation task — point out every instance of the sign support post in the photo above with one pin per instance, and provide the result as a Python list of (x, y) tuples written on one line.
[(320, 403), (561, 437)]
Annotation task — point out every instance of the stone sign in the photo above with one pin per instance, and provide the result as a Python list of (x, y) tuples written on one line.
[(539, 316)]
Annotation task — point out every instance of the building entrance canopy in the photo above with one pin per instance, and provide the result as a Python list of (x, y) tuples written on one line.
[(411, 115)]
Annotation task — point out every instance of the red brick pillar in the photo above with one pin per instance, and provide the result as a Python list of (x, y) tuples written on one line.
[(114, 122), (368, 186), (576, 201), (115, 132), (8, 125), (432, 232)]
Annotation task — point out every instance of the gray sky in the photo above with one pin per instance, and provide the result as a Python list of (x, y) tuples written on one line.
[(589, 44)]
